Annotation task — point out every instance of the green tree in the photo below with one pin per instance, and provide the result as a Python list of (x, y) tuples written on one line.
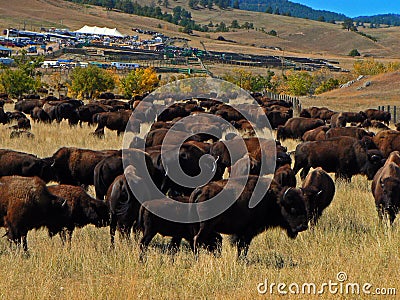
[(354, 53), (203, 3), (193, 3), (89, 82), (17, 82), (348, 24), (210, 4), (22, 79), (321, 19), (166, 3), (269, 10), (235, 24), (236, 4)]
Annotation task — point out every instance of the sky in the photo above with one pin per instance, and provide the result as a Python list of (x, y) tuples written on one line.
[(355, 8)]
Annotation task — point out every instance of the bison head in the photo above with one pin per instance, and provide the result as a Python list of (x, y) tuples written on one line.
[(293, 211), (281, 133), (390, 196), (312, 197), (373, 163)]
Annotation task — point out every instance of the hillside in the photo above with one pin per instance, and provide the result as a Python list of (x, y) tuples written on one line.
[(295, 36), (382, 89)]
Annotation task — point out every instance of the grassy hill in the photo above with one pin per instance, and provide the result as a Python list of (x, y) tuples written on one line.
[(383, 89), (295, 36)]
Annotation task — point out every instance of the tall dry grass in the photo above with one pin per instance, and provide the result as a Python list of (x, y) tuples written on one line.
[(348, 238)]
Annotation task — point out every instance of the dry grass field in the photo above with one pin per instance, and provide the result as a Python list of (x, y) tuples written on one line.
[(348, 238)]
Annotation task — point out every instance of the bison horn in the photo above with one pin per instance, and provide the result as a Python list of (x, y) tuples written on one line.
[(64, 203), (285, 194), (214, 167), (319, 193)]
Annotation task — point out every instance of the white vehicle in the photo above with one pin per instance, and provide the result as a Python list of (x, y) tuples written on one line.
[(124, 65), (50, 64)]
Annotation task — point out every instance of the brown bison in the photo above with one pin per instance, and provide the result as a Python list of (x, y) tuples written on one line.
[(386, 188), (319, 190), (314, 112), (316, 134), (279, 207), (296, 127), (76, 166), (82, 209), (151, 223), (346, 156), (112, 166), (378, 115), (387, 141), (25, 204), (123, 203), (24, 164), (115, 120), (285, 176), (352, 131)]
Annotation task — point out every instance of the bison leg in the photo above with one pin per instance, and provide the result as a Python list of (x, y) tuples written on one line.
[(144, 243), (99, 132), (242, 244), (113, 228), (174, 244)]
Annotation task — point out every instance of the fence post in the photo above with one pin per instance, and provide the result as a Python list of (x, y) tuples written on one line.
[(394, 114), (388, 108)]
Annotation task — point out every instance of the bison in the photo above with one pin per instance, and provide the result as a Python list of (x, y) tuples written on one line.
[(378, 115), (123, 203), (296, 127), (387, 141), (386, 188), (319, 190), (279, 207), (76, 166), (25, 204), (151, 223), (346, 156), (82, 209), (24, 164), (352, 131)]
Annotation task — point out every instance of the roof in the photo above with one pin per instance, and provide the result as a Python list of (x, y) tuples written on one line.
[(2, 48), (99, 31)]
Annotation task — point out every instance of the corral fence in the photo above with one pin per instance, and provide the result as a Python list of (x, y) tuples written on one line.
[(394, 111), (293, 100)]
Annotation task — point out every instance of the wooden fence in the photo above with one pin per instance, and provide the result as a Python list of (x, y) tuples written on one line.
[(293, 100)]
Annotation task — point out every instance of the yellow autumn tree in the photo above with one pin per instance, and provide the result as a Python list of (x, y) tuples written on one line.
[(139, 81)]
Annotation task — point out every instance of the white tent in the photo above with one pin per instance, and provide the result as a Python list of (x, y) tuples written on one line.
[(99, 31)]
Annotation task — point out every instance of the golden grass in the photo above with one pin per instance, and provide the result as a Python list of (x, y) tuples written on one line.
[(348, 238)]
